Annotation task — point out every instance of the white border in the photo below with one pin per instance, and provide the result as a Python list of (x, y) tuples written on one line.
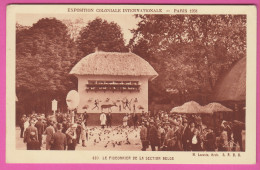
[(19, 156)]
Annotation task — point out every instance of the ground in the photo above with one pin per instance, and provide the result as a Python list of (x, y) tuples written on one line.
[(114, 139)]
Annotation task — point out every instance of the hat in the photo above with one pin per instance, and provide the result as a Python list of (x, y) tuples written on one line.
[(151, 121)]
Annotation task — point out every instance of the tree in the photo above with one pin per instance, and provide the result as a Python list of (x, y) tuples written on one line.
[(102, 35), (45, 54), (190, 52)]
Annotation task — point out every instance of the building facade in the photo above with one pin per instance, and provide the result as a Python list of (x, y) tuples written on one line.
[(113, 82)]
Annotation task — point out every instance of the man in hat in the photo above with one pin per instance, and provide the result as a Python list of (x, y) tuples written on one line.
[(143, 136), (161, 135), (40, 127), (21, 123), (71, 137), (85, 117), (109, 119), (59, 139), (78, 130), (153, 135), (169, 137), (135, 119), (210, 140), (49, 131), (186, 136)]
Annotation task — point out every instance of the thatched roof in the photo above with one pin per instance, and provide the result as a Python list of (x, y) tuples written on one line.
[(232, 87), (113, 63), (215, 107), (188, 107)]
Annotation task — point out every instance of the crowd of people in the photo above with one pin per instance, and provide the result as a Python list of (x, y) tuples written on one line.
[(180, 132), (59, 131), (162, 131)]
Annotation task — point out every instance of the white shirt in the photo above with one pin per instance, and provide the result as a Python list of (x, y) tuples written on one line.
[(194, 140)]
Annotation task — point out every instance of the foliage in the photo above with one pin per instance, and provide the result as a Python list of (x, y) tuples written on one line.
[(44, 56), (46, 52), (102, 35), (190, 52)]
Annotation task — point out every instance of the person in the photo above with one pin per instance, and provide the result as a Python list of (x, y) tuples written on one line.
[(225, 127), (169, 141), (21, 123), (125, 119), (49, 131), (223, 144), (103, 120), (109, 119), (153, 135), (143, 137), (186, 135), (85, 117), (26, 123), (65, 126), (161, 134), (83, 133), (59, 140), (196, 141), (165, 117), (33, 144), (237, 134), (78, 131), (28, 131), (192, 127), (40, 127), (71, 137), (178, 134), (129, 120), (210, 140), (135, 120)]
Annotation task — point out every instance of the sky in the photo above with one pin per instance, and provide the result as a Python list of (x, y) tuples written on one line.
[(125, 21)]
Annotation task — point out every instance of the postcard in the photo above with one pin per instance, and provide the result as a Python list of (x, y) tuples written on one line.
[(142, 84)]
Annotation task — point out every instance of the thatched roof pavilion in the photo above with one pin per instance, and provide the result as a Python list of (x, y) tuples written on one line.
[(114, 63), (232, 87)]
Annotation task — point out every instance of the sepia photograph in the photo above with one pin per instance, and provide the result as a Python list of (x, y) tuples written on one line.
[(113, 78)]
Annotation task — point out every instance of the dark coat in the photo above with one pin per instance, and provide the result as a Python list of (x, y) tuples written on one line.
[(21, 123), (33, 145), (27, 133), (59, 141), (187, 135), (40, 127), (109, 117), (210, 142), (135, 118), (143, 133), (153, 135)]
